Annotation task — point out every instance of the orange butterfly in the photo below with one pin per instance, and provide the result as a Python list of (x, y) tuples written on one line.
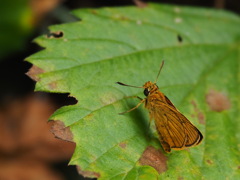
[(174, 129)]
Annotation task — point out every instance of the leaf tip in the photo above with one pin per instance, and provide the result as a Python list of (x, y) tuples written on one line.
[(33, 73), (88, 173), (60, 131)]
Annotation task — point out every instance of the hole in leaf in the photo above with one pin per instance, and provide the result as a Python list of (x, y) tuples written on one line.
[(63, 99), (57, 34), (179, 38)]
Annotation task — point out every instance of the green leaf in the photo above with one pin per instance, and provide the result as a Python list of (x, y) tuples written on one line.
[(201, 77)]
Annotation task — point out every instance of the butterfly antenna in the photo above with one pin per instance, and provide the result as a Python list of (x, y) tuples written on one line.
[(159, 71), (127, 85)]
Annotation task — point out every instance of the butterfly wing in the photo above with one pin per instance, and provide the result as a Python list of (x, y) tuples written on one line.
[(175, 130)]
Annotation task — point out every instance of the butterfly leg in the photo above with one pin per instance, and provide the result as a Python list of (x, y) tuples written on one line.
[(139, 98), (135, 97), (142, 101)]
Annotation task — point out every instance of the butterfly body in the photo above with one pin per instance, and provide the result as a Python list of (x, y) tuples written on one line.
[(174, 129)]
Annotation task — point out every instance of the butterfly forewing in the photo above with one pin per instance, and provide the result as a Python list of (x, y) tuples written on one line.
[(173, 127)]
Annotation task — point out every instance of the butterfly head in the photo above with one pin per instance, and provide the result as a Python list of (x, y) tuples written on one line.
[(149, 88)]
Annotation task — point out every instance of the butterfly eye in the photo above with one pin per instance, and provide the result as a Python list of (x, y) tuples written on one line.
[(146, 92)]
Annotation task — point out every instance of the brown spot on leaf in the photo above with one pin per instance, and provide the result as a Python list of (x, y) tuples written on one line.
[(93, 11), (34, 71), (194, 104), (57, 34), (154, 158), (89, 117), (52, 85), (200, 115), (201, 118), (180, 178), (217, 101), (124, 18), (209, 161), (90, 174), (140, 3), (108, 98), (123, 145), (61, 131)]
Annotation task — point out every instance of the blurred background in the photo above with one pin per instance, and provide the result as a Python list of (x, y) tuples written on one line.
[(28, 148)]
